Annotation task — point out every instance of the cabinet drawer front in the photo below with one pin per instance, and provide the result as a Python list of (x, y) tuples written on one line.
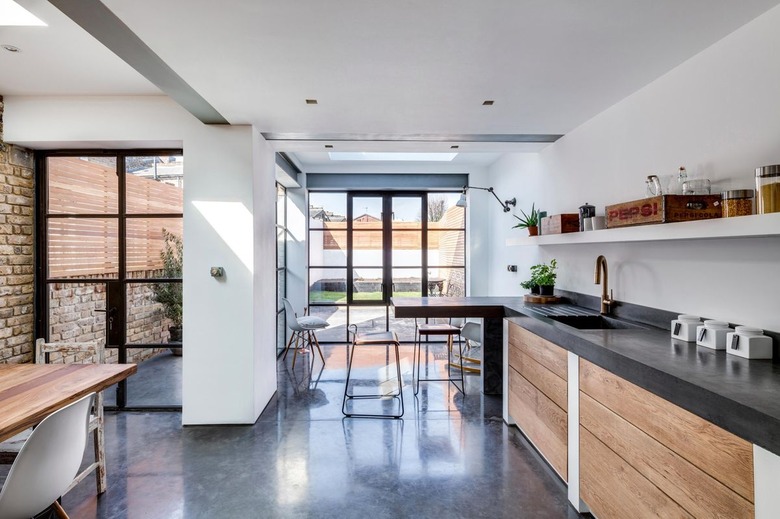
[(722, 455), (542, 351), (543, 422), (690, 487), (614, 489), (553, 386)]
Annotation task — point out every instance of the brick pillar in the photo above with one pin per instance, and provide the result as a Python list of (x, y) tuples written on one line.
[(17, 254)]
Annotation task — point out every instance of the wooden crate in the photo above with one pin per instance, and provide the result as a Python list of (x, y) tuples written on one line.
[(663, 209), (561, 223)]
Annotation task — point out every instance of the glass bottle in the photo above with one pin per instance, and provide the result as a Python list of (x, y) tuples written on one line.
[(676, 185)]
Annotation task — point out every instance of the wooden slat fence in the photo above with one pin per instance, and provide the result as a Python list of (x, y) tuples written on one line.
[(79, 247)]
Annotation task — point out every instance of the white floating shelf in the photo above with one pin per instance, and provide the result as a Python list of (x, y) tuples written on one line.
[(737, 227)]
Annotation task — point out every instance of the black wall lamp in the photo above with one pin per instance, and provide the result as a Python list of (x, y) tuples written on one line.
[(505, 204)]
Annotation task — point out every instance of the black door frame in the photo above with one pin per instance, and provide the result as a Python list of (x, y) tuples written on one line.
[(116, 288), (387, 268)]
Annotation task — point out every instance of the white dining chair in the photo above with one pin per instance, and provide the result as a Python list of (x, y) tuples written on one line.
[(303, 329), (47, 462)]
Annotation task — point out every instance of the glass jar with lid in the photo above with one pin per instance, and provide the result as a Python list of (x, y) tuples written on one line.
[(737, 202), (697, 186), (768, 189)]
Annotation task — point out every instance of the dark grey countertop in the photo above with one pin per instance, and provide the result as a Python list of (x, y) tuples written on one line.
[(740, 395)]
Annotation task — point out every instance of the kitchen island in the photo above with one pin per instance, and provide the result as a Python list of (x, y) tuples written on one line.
[(491, 310), (705, 396)]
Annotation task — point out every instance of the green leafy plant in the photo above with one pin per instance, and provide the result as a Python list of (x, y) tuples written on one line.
[(544, 274), (528, 220), (170, 294), (528, 285)]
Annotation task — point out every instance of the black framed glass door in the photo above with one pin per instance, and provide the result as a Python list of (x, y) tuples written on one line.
[(109, 263), (367, 247)]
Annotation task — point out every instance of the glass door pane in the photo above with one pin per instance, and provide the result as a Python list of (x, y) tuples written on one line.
[(366, 255), (406, 257), (82, 185)]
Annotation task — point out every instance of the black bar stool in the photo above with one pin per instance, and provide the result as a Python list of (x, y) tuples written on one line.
[(426, 330), (373, 339)]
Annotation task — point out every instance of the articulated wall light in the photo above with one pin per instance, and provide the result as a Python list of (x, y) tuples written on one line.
[(505, 204)]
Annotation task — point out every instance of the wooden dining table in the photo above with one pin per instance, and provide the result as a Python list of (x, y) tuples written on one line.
[(31, 392)]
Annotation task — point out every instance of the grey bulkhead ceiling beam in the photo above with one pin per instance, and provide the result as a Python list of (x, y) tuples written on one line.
[(98, 20)]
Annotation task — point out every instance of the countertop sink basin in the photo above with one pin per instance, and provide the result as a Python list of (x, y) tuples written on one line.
[(596, 322)]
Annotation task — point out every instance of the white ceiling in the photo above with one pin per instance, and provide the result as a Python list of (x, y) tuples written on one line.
[(393, 68)]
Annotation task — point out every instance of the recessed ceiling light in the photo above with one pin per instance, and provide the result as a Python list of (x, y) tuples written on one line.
[(329, 146), (11, 48), (311, 101), (454, 147), (13, 14), (488, 102)]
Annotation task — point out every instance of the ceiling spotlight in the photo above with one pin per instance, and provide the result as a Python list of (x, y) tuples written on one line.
[(488, 102), (329, 146), (311, 101), (11, 48)]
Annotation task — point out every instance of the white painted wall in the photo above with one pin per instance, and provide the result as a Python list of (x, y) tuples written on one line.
[(719, 115), (264, 304), (229, 368)]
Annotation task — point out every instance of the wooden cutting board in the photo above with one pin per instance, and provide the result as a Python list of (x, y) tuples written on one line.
[(542, 300)]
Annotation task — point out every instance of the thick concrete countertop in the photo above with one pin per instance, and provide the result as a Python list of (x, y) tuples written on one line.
[(739, 395)]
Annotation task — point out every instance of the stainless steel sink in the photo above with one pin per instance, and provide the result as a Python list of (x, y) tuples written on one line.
[(596, 322)]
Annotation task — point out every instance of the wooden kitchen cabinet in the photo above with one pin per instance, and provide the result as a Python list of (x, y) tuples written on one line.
[(537, 397), (642, 456)]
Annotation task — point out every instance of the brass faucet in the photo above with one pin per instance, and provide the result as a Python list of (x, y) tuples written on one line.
[(606, 301)]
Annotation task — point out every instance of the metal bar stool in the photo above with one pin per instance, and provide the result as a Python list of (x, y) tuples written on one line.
[(373, 339), (450, 330)]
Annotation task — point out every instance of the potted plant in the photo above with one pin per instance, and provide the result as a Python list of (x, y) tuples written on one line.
[(530, 285), (170, 294), (544, 275), (529, 221)]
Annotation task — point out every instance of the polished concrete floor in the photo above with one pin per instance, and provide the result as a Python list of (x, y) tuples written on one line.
[(449, 456)]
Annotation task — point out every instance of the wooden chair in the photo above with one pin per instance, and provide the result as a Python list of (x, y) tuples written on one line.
[(81, 353)]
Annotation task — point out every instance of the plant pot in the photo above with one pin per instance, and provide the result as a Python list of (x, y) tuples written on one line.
[(176, 336), (535, 289), (533, 230), (546, 290)]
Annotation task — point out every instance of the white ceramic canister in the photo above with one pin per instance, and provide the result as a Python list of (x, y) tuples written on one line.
[(750, 343), (712, 334), (684, 327)]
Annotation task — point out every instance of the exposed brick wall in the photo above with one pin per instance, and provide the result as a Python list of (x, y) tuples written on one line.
[(16, 251), (74, 316)]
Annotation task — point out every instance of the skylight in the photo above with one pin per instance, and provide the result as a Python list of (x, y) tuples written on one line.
[(392, 157), (12, 13)]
